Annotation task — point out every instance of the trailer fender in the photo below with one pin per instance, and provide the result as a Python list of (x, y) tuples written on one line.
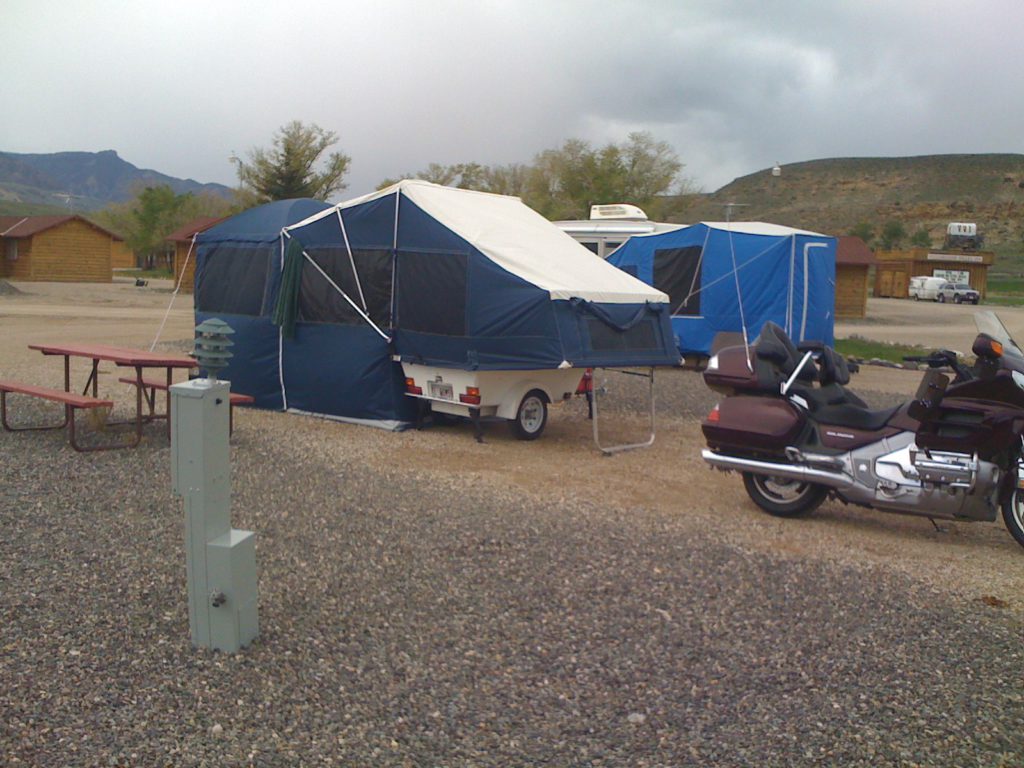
[(516, 393)]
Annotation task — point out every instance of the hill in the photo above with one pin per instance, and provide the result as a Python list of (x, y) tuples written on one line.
[(37, 183), (926, 192)]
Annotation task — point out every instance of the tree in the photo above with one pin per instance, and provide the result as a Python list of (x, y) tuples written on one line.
[(921, 238), (563, 183), (288, 169), (154, 213), (893, 234), (461, 175), (864, 231)]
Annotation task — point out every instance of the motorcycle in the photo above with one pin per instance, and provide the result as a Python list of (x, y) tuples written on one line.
[(798, 435)]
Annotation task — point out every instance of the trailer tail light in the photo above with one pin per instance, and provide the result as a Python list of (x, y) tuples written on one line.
[(411, 388), (586, 384), (715, 416), (471, 396)]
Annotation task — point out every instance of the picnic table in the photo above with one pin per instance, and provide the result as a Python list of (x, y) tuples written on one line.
[(137, 359)]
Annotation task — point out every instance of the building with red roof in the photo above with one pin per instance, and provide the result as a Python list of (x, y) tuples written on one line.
[(67, 248), (184, 252), (854, 261)]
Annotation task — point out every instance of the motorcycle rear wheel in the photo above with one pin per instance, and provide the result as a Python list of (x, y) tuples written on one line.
[(1013, 515), (782, 496)]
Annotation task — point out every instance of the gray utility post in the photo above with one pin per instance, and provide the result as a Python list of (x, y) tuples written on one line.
[(220, 561)]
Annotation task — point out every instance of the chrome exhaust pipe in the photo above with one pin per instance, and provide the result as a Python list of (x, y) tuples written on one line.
[(789, 471)]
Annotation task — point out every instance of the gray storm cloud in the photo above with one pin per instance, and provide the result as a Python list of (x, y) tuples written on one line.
[(733, 86)]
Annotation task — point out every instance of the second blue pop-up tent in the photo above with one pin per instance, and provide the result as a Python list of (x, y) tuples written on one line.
[(736, 276)]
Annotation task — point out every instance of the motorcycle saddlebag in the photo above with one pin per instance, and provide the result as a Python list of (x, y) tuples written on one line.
[(752, 424)]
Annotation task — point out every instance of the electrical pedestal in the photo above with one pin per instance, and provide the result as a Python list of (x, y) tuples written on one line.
[(220, 561)]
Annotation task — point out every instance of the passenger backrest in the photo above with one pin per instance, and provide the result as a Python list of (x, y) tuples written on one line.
[(776, 357), (833, 368)]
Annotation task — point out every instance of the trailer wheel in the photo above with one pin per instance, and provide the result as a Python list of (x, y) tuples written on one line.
[(531, 417)]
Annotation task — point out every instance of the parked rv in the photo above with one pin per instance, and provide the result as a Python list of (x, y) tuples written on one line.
[(609, 226)]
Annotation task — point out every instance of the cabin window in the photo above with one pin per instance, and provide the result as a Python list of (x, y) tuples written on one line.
[(232, 279), (11, 250), (431, 293), (591, 246), (677, 273)]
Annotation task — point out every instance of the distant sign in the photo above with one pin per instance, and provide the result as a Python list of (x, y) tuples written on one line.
[(958, 257), (952, 275)]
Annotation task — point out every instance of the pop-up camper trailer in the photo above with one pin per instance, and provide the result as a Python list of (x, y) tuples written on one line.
[(468, 301), (736, 276)]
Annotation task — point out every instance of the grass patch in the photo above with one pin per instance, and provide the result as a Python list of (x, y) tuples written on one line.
[(157, 273), (866, 349), (1005, 290), (1001, 300), (1005, 284)]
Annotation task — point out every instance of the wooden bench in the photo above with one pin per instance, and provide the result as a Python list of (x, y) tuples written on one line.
[(72, 402), (237, 398)]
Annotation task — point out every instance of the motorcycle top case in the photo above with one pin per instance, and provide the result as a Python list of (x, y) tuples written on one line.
[(733, 372), (753, 424)]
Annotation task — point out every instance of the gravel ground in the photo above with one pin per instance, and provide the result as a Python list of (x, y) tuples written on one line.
[(412, 618), (427, 601)]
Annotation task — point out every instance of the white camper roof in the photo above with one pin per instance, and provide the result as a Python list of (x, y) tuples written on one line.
[(758, 228), (518, 239)]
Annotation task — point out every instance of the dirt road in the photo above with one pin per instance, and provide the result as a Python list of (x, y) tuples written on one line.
[(926, 323)]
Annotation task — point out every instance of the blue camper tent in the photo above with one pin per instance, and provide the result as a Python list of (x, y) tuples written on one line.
[(735, 277), (329, 305), (339, 370)]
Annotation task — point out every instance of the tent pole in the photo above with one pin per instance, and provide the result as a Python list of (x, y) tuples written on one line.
[(351, 259), (280, 335)]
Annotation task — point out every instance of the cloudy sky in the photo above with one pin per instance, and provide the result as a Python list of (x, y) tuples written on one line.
[(734, 86)]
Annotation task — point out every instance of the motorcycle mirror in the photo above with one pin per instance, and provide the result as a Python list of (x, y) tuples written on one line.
[(986, 346)]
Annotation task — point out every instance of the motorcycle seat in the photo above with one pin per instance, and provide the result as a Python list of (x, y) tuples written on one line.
[(827, 395), (854, 416)]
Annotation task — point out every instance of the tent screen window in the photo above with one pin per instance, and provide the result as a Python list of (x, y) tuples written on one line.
[(232, 280), (368, 287), (677, 273), (431, 293), (603, 338)]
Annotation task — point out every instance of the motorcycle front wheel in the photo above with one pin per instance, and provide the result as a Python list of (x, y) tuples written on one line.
[(782, 496), (1013, 515)]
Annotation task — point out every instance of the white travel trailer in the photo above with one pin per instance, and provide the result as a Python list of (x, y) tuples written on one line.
[(609, 226), (925, 288)]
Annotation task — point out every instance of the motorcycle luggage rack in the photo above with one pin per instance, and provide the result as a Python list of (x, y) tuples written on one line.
[(609, 450)]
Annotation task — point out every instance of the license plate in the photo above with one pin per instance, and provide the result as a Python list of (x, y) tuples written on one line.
[(441, 390)]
